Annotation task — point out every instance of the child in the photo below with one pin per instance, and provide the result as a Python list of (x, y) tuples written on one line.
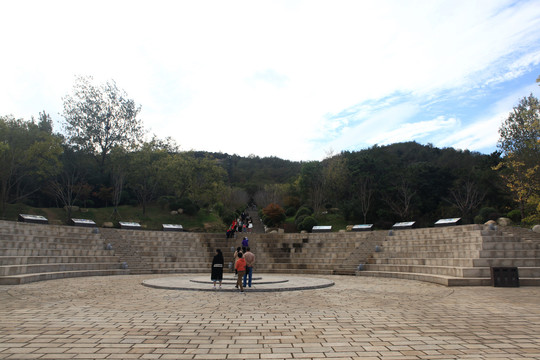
[(240, 266)]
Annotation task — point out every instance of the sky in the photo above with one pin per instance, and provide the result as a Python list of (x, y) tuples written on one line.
[(299, 80)]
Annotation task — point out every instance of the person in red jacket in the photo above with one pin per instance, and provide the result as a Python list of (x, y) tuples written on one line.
[(240, 266)]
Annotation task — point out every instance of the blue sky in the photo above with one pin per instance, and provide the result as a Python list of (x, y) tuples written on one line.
[(294, 79)]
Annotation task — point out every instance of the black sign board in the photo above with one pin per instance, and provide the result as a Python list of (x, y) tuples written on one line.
[(363, 227), (403, 225), (322, 228), (35, 219), (130, 225), (172, 227), (82, 222), (448, 222)]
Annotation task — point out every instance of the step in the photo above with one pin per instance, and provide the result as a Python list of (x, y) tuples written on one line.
[(27, 278), (25, 260), (463, 262), (49, 245), (9, 270), (55, 252), (435, 270), (432, 278)]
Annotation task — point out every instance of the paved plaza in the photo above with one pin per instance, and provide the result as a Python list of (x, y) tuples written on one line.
[(117, 317)]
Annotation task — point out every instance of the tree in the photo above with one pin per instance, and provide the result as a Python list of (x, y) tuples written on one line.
[(69, 184), (520, 145), (119, 171), (29, 156), (271, 193), (364, 191), (401, 201), (312, 184), (273, 215), (187, 176), (99, 118), (336, 178), (143, 175), (466, 196)]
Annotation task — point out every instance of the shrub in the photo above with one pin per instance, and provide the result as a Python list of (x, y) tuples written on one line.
[(228, 218), (308, 223), (290, 211), (298, 221), (515, 216), (304, 210), (219, 208), (488, 213)]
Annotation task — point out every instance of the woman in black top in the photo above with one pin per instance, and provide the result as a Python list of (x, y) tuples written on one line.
[(217, 268)]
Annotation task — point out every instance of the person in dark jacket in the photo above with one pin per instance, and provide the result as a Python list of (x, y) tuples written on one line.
[(217, 268)]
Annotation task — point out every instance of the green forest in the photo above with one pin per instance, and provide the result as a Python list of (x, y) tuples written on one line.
[(100, 161)]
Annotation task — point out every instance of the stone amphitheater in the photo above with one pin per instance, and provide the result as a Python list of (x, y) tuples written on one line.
[(450, 256), (93, 304)]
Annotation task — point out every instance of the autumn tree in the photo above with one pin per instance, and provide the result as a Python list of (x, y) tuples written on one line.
[(101, 117), (520, 145), (273, 215)]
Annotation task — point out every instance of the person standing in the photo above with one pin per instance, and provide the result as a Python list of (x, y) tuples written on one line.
[(235, 255), (217, 268), (250, 260), (241, 268)]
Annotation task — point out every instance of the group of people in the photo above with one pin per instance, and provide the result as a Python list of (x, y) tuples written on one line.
[(241, 224), (244, 260)]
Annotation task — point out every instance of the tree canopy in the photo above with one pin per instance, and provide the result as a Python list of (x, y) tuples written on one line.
[(101, 117)]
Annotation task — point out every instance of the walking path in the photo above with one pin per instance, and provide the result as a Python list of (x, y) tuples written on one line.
[(116, 317)]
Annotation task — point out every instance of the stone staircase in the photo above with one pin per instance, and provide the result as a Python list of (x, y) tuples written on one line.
[(454, 256), (258, 226), (35, 252)]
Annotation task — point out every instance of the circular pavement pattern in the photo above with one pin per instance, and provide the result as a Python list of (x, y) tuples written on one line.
[(260, 283)]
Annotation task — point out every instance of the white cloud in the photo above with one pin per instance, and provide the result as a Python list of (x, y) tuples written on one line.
[(251, 77)]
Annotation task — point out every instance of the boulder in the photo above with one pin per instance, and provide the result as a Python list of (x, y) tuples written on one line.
[(174, 212), (536, 228), (349, 227), (490, 225), (503, 221), (180, 211), (108, 224)]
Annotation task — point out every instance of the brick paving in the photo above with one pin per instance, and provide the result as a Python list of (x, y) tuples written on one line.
[(116, 317)]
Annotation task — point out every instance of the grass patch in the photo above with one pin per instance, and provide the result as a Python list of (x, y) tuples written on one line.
[(153, 219)]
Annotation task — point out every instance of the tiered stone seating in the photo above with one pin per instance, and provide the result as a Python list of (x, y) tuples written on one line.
[(459, 255), (454, 256), (315, 253), (34, 252), (158, 252)]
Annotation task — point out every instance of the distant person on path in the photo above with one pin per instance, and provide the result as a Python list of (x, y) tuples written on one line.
[(241, 268), (217, 268), (250, 260), (245, 242)]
